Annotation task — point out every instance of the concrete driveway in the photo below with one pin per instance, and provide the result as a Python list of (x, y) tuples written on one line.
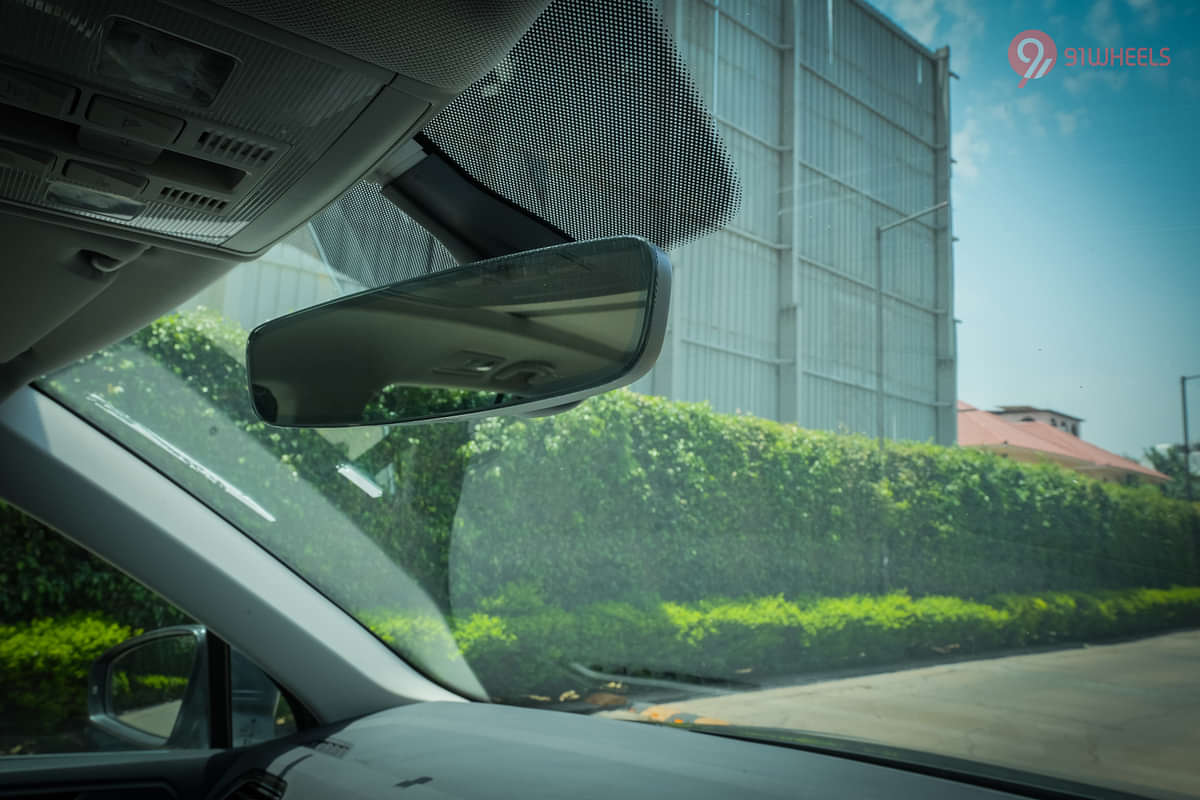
[(1127, 712), (158, 720)]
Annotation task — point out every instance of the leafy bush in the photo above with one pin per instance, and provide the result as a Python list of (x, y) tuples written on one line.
[(625, 504), (638, 493), (43, 670), (145, 690), (182, 377), (528, 651), (46, 575)]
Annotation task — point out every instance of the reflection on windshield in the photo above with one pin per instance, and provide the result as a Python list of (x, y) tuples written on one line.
[(652, 560), (183, 457), (310, 527), (933, 493)]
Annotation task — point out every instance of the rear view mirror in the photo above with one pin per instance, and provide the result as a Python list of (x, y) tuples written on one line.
[(526, 333)]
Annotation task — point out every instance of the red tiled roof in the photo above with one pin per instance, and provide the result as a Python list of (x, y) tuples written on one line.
[(984, 429), (1080, 449)]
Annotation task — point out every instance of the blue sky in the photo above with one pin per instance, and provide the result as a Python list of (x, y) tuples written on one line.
[(1077, 207)]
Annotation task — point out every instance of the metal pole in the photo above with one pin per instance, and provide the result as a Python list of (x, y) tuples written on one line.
[(1187, 466), (1187, 445), (716, 67), (879, 335)]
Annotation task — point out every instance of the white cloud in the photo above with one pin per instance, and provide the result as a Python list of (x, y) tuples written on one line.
[(1101, 24), (1083, 78), (918, 17), (1028, 103), (1147, 10), (969, 148), (1001, 114), (1032, 109), (1067, 122), (1189, 86), (966, 28), (935, 23), (1155, 77)]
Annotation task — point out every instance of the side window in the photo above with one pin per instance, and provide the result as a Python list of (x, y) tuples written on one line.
[(92, 660)]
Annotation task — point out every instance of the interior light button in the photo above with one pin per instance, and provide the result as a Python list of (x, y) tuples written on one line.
[(35, 93), (105, 179), (79, 198), (26, 159), (133, 121)]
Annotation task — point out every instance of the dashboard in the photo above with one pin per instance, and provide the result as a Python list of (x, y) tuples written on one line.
[(470, 750)]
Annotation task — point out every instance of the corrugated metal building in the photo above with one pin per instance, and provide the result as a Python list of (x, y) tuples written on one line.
[(290, 276), (838, 122)]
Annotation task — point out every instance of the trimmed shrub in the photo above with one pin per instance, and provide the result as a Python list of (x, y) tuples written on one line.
[(628, 498), (144, 690), (43, 671), (630, 493), (46, 575), (529, 651)]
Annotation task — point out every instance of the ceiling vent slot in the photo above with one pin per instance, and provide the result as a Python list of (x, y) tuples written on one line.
[(186, 199), (233, 148)]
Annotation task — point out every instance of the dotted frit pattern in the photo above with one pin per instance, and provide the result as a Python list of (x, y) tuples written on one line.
[(592, 122)]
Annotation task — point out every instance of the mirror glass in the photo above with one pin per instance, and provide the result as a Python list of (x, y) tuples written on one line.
[(147, 683), (484, 337)]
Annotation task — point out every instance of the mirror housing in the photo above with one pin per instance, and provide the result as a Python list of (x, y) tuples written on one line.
[(133, 712), (529, 333), (141, 712)]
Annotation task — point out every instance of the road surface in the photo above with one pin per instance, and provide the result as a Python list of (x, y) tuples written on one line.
[(158, 720), (1127, 712)]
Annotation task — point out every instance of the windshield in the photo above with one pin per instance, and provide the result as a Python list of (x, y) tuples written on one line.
[(908, 469)]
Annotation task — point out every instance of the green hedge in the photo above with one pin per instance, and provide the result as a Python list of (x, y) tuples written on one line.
[(522, 647), (182, 377), (45, 575), (43, 671), (145, 690), (628, 497), (632, 494)]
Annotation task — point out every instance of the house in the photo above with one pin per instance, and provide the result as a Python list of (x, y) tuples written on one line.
[(1025, 433), (1055, 419)]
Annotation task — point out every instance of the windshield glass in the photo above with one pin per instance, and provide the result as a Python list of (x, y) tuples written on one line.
[(908, 469)]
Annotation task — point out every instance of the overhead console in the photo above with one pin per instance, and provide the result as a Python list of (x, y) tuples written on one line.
[(192, 125)]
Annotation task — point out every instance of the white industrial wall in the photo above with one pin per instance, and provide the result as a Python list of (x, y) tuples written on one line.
[(288, 277), (838, 123)]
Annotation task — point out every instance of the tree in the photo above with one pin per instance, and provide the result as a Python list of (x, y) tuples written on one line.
[(1170, 461)]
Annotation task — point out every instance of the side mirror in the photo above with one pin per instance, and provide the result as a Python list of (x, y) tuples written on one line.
[(155, 690), (152, 690), (528, 333)]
